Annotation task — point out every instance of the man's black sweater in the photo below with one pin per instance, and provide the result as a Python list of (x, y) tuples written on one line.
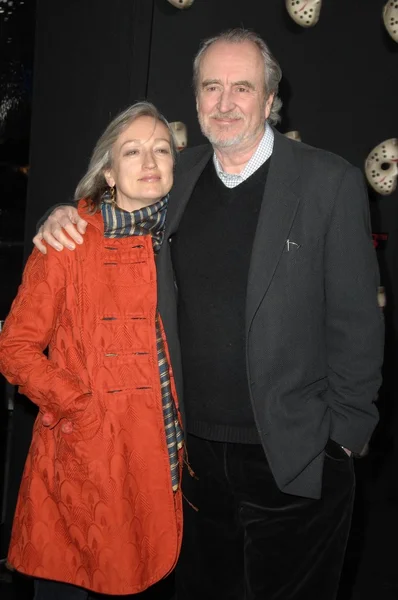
[(211, 257)]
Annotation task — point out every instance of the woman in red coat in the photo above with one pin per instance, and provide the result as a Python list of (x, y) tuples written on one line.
[(99, 506)]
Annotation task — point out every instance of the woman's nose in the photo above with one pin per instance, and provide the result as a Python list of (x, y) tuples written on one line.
[(149, 160)]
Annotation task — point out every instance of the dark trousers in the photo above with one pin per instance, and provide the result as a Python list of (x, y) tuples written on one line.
[(250, 541), (55, 590)]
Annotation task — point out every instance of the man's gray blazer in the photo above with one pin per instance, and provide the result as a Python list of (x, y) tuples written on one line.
[(314, 331)]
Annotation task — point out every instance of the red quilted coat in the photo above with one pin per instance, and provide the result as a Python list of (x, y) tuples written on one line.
[(96, 507)]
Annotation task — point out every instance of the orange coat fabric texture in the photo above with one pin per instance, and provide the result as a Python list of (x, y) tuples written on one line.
[(96, 507)]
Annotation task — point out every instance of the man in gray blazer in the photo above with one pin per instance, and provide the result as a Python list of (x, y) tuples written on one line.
[(269, 276)]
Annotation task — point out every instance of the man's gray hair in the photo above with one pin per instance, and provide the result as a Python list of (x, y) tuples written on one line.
[(93, 185), (272, 70)]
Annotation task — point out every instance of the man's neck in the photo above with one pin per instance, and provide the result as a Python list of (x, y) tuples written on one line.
[(234, 159)]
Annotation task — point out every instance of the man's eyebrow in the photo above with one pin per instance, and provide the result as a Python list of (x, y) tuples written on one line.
[(243, 82), (207, 82)]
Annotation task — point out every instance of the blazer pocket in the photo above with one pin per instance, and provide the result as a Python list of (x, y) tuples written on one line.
[(336, 452)]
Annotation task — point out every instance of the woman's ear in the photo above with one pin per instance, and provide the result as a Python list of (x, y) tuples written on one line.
[(109, 178)]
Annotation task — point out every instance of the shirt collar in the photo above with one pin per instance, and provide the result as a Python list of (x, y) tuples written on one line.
[(262, 154)]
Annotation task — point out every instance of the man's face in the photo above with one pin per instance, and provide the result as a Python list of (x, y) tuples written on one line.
[(231, 94)]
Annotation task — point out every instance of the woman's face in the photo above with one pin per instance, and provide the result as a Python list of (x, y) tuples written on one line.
[(142, 168)]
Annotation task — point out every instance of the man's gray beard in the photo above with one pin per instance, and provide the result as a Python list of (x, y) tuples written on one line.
[(221, 143)]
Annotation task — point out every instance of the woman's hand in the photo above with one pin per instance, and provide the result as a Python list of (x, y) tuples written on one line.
[(63, 220), (84, 427), (49, 420)]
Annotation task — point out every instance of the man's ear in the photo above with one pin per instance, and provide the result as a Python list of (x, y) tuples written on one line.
[(268, 105)]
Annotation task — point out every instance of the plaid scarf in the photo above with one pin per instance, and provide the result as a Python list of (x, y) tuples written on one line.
[(150, 220)]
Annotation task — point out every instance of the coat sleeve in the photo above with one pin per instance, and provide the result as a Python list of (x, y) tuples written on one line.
[(354, 321), (27, 333)]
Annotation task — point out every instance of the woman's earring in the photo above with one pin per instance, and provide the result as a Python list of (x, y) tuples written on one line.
[(112, 193)]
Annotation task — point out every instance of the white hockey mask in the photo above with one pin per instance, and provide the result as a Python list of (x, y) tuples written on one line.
[(181, 3), (180, 133), (293, 135), (381, 167), (304, 12), (390, 18), (381, 296)]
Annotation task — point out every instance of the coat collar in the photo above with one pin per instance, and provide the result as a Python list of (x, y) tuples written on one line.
[(184, 183), (278, 209), (95, 219)]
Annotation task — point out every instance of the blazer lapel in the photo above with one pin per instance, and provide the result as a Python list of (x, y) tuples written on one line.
[(185, 181), (278, 209)]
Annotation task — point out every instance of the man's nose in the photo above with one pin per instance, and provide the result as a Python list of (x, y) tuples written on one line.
[(225, 103)]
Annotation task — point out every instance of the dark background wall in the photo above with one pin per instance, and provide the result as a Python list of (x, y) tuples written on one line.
[(17, 21), (91, 61)]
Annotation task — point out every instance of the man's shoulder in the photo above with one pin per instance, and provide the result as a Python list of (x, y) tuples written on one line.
[(312, 158), (189, 157)]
